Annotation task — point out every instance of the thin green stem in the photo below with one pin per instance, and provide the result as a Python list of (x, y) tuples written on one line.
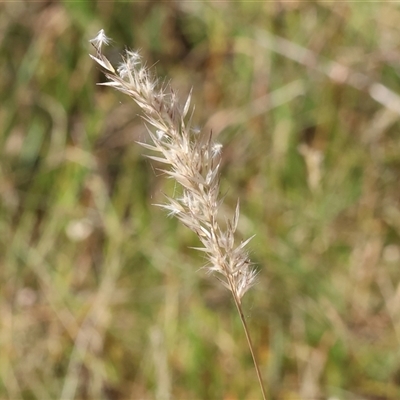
[(250, 343)]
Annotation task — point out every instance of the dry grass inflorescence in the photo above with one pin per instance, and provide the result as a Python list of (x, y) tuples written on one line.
[(194, 160)]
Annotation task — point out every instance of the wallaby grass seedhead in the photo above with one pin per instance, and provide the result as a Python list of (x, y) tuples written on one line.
[(194, 160)]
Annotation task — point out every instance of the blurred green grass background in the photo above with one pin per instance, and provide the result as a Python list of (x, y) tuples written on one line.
[(101, 296)]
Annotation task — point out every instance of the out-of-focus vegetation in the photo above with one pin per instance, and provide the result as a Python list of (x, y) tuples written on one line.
[(101, 296)]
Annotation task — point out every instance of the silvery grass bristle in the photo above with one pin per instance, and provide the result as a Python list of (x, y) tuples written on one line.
[(194, 161)]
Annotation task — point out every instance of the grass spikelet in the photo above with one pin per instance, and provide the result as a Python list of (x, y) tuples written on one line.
[(194, 162)]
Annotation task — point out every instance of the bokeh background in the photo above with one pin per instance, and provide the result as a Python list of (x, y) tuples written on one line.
[(101, 296)]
